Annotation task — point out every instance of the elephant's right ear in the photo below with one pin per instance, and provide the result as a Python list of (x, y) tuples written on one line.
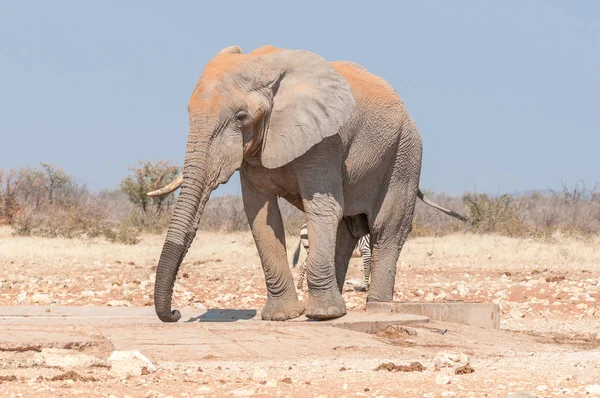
[(311, 101)]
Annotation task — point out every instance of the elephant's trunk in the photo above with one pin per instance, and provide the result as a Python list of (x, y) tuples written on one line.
[(195, 191)]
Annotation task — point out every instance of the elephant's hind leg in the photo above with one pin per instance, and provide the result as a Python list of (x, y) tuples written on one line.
[(393, 222), (384, 258), (344, 248), (265, 222)]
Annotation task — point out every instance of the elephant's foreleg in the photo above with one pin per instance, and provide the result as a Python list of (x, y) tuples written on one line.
[(265, 222), (323, 215)]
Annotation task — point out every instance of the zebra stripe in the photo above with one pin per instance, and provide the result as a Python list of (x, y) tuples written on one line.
[(363, 245)]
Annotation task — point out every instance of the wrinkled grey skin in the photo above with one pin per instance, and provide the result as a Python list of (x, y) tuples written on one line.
[(331, 138)]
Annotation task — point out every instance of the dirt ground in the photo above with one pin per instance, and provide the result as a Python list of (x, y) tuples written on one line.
[(548, 344)]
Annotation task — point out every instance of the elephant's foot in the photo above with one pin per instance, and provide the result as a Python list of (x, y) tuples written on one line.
[(282, 308), (325, 304)]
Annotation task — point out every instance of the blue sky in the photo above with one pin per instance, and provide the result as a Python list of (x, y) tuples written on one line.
[(506, 94)]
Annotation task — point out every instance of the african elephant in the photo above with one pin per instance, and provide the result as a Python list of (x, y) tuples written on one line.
[(331, 138)]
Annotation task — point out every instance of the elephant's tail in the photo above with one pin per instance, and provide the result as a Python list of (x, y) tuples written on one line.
[(431, 203), (297, 254)]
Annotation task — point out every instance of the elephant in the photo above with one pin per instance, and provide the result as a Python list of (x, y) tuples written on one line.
[(331, 138)]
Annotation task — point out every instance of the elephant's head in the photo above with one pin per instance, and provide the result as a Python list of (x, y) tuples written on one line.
[(270, 105)]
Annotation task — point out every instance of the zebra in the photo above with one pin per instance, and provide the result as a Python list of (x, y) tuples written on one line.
[(363, 246)]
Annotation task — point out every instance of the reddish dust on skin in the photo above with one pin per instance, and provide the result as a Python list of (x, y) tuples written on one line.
[(268, 49), (366, 86)]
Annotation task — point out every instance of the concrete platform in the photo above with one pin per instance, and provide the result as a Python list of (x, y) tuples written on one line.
[(200, 334), (476, 314), (64, 315)]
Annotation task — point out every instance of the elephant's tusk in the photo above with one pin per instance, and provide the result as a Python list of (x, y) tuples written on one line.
[(168, 188)]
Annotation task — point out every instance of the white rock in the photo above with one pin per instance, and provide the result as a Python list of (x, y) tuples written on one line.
[(243, 392), (593, 389), (520, 394), (450, 360), (543, 387), (154, 394), (516, 314), (532, 282), (271, 383), (259, 375), (21, 297), (462, 290), (129, 363), (119, 303), (58, 357), (443, 379), (41, 298)]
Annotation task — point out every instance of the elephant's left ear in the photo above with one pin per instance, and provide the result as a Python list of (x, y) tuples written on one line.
[(311, 101)]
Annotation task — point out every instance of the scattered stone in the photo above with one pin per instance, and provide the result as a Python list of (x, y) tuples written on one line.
[(593, 389), (464, 370), (154, 394), (71, 375), (40, 298), (520, 394), (118, 303), (556, 278), (259, 375), (442, 379), (243, 392), (130, 363), (396, 331), (21, 297), (61, 358), (391, 367), (286, 380), (8, 378), (516, 314), (450, 360)]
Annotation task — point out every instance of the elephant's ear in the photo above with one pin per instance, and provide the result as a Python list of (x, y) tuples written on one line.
[(311, 101), (230, 50)]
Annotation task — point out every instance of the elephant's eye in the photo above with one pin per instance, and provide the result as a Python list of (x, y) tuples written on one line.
[(241, 116)]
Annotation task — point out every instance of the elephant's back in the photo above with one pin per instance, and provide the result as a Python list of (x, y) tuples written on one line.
[(366, 86)]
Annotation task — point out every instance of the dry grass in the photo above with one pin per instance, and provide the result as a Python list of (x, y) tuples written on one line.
[(493, 252), (464, 251)]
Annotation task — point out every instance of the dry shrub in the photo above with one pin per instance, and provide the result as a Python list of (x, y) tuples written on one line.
[(48, 202), (428, 221), (224, 213), (488, 214), (573, 211), (152, 214), (293, 219)]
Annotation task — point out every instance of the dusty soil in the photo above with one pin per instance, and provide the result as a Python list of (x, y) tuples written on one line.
[(548, 344)]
